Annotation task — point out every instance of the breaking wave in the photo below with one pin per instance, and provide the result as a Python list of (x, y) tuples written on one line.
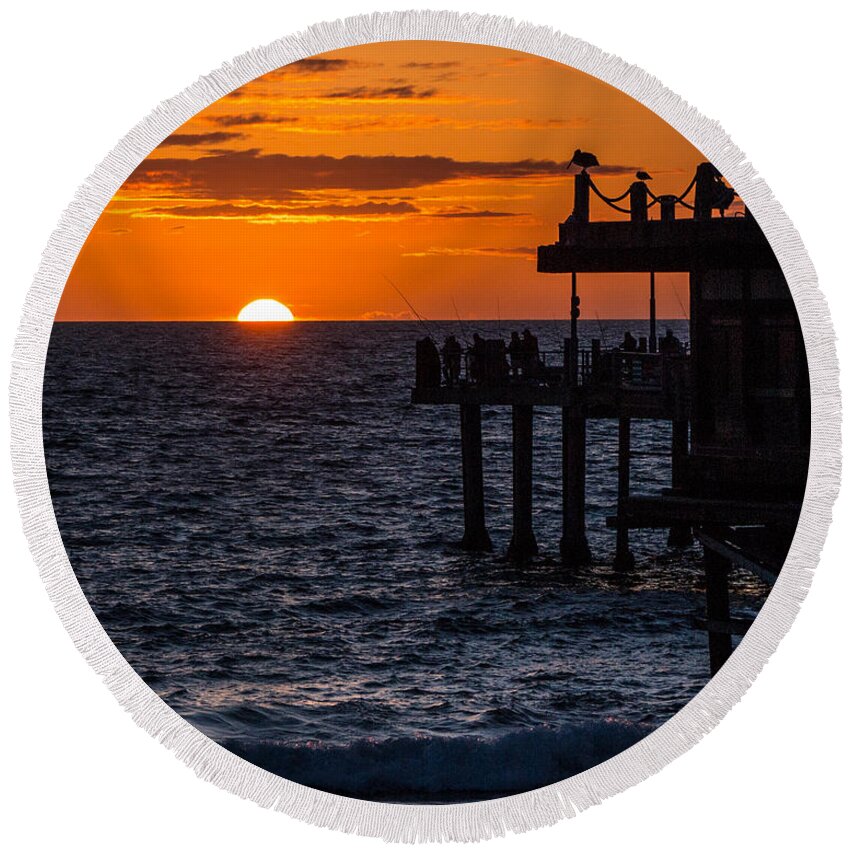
[(451, 768)]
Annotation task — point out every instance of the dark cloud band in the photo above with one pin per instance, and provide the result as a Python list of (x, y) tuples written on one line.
[(250, 175)]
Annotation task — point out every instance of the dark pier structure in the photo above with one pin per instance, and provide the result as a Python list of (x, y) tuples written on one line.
[(737, 397)]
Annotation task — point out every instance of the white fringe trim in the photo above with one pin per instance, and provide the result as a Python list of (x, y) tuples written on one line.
[(411, 823)]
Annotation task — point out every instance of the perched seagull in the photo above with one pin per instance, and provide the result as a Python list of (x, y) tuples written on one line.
[(584, 159), (643, 175)]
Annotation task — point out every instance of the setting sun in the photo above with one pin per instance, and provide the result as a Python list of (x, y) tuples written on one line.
[(265, 310)]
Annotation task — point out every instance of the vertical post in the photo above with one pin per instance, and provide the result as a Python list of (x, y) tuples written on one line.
[(623, 559), (653, 334), (680, 535), (581, 198), (523, 544), (717, 609), (574, 548), (575, 312), (668, 207), (704, 191), (679, 452), (595, 357), (638, 201), (475, 536)]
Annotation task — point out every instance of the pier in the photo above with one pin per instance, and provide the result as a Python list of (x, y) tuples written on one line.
[(611, 385), (737, 396)]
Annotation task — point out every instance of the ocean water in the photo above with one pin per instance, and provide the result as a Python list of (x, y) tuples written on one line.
[(267, 529)]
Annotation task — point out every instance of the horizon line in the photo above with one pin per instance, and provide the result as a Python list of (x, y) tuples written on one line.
[(451, 320)]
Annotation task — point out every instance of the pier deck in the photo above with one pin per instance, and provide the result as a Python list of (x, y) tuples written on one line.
[(680, 245), (596, 402)]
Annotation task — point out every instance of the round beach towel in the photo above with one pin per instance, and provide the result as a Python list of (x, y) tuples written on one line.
[(424, 417)]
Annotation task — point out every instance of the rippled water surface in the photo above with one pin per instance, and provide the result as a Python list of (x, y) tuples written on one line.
[(267, 529)]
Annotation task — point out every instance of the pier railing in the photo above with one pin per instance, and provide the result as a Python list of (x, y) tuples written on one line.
[(492, 365), (710, 193)]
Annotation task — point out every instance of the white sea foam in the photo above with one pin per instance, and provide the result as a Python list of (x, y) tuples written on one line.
[(445, 768)]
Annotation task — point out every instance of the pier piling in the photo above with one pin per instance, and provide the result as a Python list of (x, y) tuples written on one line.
[(475, 536), (653, 325), (717, 612), (624, 559), (574, 548), (680, 535), (523, 544)]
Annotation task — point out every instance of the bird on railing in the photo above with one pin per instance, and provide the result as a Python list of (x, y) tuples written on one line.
[(643, 175), (584, 159)]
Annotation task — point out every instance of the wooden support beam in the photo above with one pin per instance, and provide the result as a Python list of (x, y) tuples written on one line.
[(666, 511), (717, 609), (680, 534), (766, 570), (624, 559), (574, 548), (475, 536), (523, 543), (653, 329), (575, 312)]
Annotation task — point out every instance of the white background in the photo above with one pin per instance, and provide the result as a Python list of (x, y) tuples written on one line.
[(77, 76)]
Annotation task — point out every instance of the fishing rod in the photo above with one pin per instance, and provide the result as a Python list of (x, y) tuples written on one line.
[(466, 325), (460, 322), (601, 329), (419, 317), (681, 305)]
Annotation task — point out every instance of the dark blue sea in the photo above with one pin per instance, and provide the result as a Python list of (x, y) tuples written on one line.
[(267, 529)]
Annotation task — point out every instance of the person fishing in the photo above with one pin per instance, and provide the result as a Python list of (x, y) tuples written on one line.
[(427, 363), (669, 343), (475, 359), (452, 352), (629, 343), (515, 354), (530, 354)]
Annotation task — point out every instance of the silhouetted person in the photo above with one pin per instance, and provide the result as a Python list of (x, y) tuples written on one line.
[(476, 358), (451, 360), (711, 192), (515, 353), (530, 354), (502, 363), (669, 343), (629, 343), (427, 363)]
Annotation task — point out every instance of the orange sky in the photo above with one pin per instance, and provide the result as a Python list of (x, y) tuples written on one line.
[(437, 165)]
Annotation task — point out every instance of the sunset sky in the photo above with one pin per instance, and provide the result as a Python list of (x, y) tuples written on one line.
[(439, 166)]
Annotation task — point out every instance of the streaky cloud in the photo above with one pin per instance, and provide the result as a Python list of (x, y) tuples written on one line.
[(402, 92), (475, 214), (193, 139), (519, 253), (251, 119), (267, 211)]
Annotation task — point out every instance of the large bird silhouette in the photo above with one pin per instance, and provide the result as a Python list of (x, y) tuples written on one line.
[(584, 159)]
